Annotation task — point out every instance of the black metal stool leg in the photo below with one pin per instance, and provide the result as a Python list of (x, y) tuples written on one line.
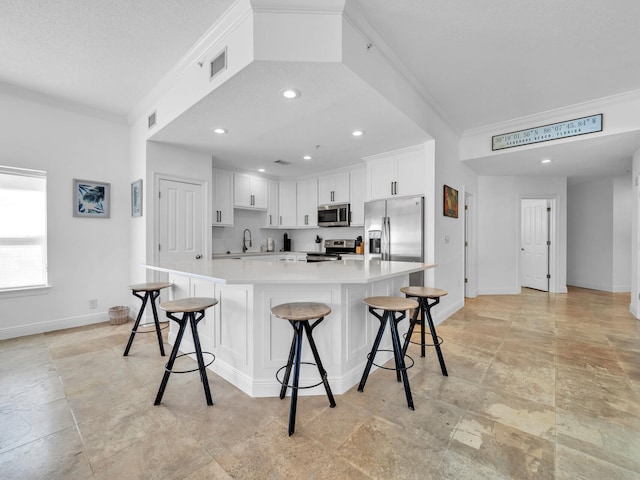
[(135, 326), (296, 378), (155, 294), (423, 310), (374, 349), (397, 351), (316, 356), (196, 341), (412, 325), (172, 357), (287, 372), (434, 337)]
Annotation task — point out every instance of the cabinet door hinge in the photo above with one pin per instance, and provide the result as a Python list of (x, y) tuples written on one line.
[(159, 247)]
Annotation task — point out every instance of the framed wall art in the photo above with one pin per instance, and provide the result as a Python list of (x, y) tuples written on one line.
[(91, 199), (450, 202), (136, 198)]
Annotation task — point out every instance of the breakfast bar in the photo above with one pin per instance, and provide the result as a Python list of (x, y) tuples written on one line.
[(250, 345)]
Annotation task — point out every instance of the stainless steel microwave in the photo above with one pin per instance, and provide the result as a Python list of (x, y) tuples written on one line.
[(334, 215)]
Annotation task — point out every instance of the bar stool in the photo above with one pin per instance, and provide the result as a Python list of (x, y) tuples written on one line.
[(193, 311), (299, 314), (394, 309), (151, 293), (424, 294)]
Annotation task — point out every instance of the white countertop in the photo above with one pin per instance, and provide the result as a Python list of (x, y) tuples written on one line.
[(260, 272)]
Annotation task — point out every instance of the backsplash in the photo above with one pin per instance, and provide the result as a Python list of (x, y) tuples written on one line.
[(229, 239)]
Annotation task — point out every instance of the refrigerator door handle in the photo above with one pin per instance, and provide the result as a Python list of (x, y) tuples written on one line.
[(388, 249)]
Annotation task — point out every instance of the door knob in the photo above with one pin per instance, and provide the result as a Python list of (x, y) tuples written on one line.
[(198, 257)]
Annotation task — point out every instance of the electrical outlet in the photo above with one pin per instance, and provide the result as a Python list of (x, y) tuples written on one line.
[(93, 303)]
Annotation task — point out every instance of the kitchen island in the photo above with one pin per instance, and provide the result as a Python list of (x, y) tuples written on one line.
[(250, 344)]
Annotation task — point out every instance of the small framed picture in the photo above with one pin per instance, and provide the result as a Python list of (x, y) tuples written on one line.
[(91, 199), (136, 198), (450, 202)]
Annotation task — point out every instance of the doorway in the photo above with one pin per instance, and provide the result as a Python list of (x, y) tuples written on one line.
[(535, 243)]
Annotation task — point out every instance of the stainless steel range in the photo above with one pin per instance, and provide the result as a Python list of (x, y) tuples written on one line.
[(332, 250)]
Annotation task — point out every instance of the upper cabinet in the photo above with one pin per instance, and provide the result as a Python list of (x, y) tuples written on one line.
[(333, 188), (249, 191), (287, 203), (358, 194), (272, 220), (399, 173), (307, 203), (222, 198)]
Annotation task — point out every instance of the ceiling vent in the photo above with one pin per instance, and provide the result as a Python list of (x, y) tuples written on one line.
[(151, 120), (218, 64), (282, 162)]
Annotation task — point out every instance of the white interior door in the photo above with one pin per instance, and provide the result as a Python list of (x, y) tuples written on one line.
[(534, 248), (181, 221)]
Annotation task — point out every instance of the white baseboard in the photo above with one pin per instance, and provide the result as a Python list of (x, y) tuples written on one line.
[(52, 325), (499, 291), (600, 287)]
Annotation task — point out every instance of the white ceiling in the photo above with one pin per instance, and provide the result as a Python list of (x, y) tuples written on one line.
[(480, 63)]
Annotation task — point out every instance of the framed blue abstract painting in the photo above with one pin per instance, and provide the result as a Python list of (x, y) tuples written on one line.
[(91, 199)]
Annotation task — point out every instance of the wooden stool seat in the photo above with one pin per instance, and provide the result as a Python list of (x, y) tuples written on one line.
[(149, 287), (300, 311), (148, 293), (192, 310), (424, 294), (299, 315), (394, 309), (184, 305), (394, 304)]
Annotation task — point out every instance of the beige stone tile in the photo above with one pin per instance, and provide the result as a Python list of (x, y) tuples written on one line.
[(211, 471), (477, 341), (455, 466), (125, 424), (271, 453), (333, 426), (510, 451), (167, 454), (23, 352), (382, 450), (466, 363), (572, 465), (599, 438), (523, 376), (36, 384), (607, 397), (22, 424), (534, 418), (59, 455)]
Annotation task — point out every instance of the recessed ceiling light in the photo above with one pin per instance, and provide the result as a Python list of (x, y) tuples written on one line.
[(261, 169), (307, 157), (290, 93), (546, 160), (219, 131), (357, 133)]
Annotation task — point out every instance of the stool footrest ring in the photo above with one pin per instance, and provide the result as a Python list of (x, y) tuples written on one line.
[(162, 327), (298, 387), (194, 369), (406, 367), (440, 341)]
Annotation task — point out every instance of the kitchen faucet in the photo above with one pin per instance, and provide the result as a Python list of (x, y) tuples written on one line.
[(244, 239)]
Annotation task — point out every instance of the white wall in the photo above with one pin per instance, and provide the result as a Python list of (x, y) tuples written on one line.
[(87, 258), (599, 234), (635, 234), (499, 230), (589, 234)]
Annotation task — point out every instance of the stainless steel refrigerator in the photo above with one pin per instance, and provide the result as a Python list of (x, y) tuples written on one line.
[(394, 230)]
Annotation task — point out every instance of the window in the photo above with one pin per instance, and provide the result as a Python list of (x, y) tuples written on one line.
[(23, 228)]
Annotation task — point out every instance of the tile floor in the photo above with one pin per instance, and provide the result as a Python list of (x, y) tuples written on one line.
[(540, 386)]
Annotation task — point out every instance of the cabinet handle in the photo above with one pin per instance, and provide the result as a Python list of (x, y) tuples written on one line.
[(306, 219), (270, 223), (391, 188), (280, 219)]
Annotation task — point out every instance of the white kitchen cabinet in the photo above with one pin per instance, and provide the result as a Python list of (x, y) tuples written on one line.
[(292, 257), (399, 173), (249, 191), (222, 198), (307, 204), (287, 203), (357, 194), (272, 219), (333, 188)]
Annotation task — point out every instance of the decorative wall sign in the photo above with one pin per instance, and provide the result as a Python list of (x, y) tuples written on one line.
[(136, 198), (91, 199), (450, 202), (554, 131)]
